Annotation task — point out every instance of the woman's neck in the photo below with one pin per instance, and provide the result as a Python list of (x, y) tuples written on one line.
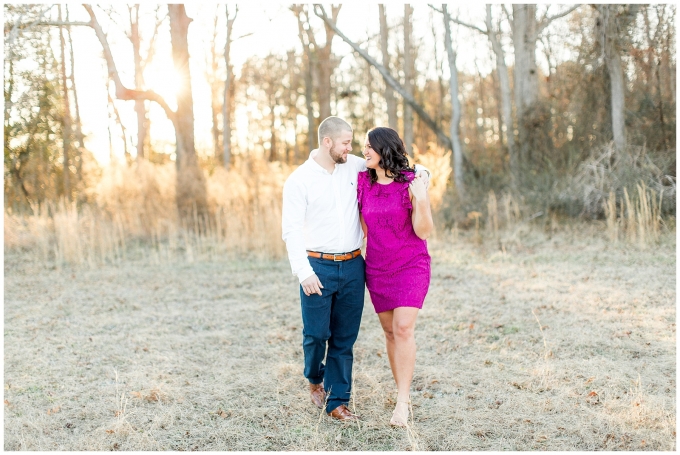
[(382, 176)]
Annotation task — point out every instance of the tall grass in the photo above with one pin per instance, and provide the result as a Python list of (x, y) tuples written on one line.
[(635, 219), (134, 205)]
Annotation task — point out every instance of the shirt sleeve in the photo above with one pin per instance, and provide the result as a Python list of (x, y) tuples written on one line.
[(360, 164), (420, 167), (292, 228)]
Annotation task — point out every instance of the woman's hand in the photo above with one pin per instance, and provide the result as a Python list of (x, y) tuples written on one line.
[(418, 188)]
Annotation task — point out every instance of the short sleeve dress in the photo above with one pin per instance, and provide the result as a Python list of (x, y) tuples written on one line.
[(397, 261)]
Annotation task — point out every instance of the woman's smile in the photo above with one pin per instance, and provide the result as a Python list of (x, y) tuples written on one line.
[(372, 157)]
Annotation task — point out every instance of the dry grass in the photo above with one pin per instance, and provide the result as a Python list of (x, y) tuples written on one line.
[(637, 220), (136, 205), (556, 341)]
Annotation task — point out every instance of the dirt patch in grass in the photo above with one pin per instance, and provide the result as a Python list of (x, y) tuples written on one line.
[(552, 342)]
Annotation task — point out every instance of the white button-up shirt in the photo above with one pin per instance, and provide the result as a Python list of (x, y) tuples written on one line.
[(320, 212)]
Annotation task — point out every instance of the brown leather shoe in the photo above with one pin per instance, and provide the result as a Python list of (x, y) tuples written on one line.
[(344, 414), (318, 395)]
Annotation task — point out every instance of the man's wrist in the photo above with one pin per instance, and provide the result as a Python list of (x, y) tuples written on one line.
[(302, 276)]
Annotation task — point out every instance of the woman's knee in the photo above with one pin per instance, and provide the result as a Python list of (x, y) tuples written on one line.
[(402, 330), (389, 334)]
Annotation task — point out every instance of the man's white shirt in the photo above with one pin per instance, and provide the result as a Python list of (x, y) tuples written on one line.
[(320, 212)]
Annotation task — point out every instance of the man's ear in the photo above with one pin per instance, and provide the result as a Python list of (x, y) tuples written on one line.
[(327, 142)]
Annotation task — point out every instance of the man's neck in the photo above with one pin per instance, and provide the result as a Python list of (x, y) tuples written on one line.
[(323, 158)]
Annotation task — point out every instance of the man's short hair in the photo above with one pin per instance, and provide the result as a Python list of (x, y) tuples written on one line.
[(331, 127)]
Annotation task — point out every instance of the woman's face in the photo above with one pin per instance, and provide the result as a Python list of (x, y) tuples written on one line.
[(372, 157)]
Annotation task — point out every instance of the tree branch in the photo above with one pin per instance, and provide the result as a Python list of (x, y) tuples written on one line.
[(122, 92), (459, 22), (18, 26), (152, 42), (547, 20)]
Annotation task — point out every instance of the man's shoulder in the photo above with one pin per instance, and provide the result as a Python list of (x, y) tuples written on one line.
[(298, 175), (355, 163)]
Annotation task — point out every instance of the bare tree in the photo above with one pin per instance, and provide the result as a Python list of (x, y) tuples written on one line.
[(504, 82), (409, 70), (526, 29), (226, 106), (610, 29), (493, 34), (457, 157), (324, 62), (191, 190), (392, 82), (80, 137), (134, 35), (66, 116), (309, 52), (389, 93)]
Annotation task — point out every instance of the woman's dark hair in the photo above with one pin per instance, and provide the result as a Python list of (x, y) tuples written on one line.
[(387, 143)]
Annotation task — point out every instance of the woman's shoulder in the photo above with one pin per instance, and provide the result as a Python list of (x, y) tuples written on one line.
[(409, 174), (363, 176)]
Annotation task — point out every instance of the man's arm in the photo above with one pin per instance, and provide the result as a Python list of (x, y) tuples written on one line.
[(421, 171), (292, 228)]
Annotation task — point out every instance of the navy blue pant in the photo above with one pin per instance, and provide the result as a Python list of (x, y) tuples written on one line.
[(331, 325)]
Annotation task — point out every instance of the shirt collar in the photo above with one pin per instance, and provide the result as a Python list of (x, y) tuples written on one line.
[(316, 166)]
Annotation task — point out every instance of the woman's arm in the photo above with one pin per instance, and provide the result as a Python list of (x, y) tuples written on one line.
[(421, 216), (363, 225)]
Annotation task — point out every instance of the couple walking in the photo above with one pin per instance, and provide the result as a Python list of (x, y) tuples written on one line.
[(330, 203)]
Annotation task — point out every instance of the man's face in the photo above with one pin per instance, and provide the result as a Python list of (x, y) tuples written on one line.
[(341, 147)]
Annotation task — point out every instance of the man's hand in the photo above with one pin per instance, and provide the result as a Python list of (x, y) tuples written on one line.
[(425, 176), (418, 188), (312, 285)]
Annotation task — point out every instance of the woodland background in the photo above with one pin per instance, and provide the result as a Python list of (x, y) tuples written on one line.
[(574, 119)]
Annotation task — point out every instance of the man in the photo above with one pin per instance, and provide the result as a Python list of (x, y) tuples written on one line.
[(323, 235)]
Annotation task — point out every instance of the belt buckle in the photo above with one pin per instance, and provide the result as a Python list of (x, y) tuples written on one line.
[(335, 257)]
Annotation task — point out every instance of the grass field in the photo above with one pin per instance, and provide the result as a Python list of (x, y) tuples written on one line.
[(557, 341)]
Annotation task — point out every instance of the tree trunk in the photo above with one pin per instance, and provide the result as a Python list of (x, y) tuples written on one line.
[(506, 100), (140, 108), (309, 89), (191, 190), (408, 79), (79, 130), (119, 121), (389, 93), (308, 78), (326, 67), (607, 32), (216, 87), (66, 116), (524, 36), (457, 158), (226, 106), (439, 70)]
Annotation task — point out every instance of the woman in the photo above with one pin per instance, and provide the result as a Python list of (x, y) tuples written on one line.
[(396, 218)]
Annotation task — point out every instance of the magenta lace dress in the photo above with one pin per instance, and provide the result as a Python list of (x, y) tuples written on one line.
[(397, 261)]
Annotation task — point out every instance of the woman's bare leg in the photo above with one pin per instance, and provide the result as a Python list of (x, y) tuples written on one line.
[(403, 356), (386, 322), (403, 323)]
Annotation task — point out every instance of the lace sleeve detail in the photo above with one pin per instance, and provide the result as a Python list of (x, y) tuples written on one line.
[(362, 179)]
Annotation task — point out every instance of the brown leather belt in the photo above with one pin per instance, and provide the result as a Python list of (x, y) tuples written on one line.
[(336, 257)]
